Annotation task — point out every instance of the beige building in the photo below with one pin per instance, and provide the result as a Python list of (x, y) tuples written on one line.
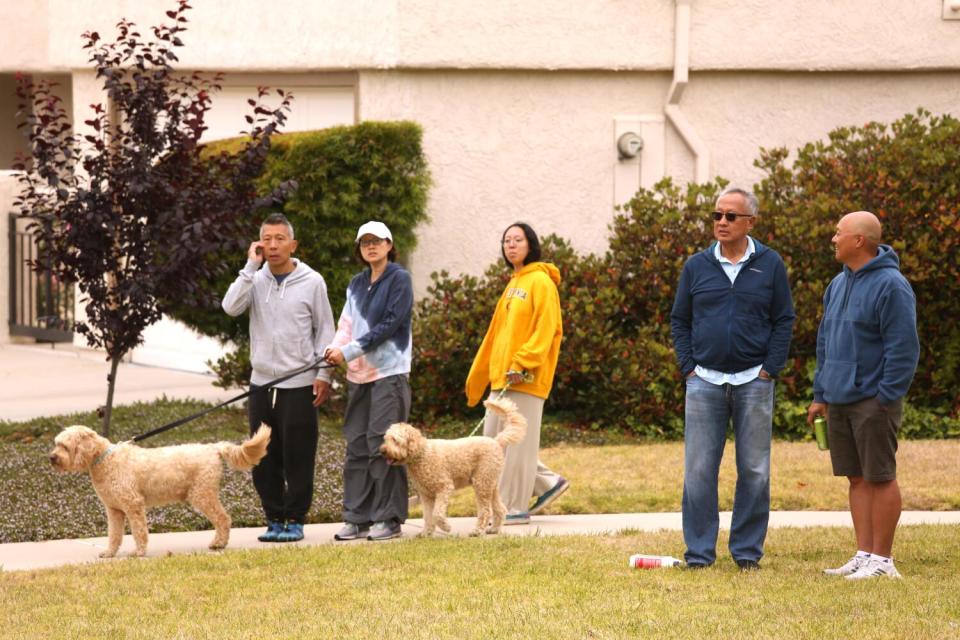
[(523, 103)]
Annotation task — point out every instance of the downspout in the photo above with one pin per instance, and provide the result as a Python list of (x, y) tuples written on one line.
[(681, 74)]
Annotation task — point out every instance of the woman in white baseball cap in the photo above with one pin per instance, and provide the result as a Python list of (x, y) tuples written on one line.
[(375, 340)]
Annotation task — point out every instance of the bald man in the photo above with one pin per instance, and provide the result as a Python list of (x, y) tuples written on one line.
[(867, 353)]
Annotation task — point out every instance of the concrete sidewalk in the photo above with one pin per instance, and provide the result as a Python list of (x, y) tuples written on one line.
[(40, 380), (54, 553)]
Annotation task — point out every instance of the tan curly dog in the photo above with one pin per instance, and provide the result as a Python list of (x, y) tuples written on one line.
[(438, 467), (129, 479)]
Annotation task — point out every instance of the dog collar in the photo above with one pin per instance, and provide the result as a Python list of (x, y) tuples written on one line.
[(103, 456)]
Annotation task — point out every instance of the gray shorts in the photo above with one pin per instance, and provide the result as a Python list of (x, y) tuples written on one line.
[(863, 439)]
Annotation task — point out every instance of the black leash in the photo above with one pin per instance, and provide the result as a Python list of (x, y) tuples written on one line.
[(253, 389)]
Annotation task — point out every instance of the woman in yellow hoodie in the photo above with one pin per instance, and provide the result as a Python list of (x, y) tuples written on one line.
[(520, 352)]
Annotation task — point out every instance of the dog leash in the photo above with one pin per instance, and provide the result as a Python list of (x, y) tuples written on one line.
[(526, 377), (480, 424), (253, 389)]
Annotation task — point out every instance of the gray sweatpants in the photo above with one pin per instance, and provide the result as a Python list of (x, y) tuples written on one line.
[(524, 476), (374, 491)]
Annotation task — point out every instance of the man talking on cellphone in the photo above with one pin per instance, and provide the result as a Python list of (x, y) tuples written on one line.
[(291, 323)]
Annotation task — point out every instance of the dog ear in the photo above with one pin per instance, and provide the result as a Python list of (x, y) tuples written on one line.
[(85, 448), (397, 438), (414, 440)]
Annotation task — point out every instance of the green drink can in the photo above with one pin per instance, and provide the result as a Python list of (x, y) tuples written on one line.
[(820, 431)]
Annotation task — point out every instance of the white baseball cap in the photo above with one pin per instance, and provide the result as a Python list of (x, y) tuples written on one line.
[(374, 228)]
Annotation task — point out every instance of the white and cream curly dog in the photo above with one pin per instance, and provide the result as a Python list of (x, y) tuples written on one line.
[(439, 467), (128, 479)]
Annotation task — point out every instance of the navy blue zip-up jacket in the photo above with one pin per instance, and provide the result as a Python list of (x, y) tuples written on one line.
[(867, 345), (733, 327)]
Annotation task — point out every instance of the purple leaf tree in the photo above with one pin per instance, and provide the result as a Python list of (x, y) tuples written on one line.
[(133, 211)]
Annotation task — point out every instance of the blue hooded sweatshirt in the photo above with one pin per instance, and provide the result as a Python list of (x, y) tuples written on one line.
[(733, 327), (867, 345)]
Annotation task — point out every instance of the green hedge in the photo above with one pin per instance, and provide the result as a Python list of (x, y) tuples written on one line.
[(908, 173), (617, 368), (344, 176)]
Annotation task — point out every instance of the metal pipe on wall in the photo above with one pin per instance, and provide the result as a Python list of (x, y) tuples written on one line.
[(681, 74)]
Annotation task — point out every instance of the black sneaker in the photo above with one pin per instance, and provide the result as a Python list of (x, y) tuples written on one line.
[(384, 531), (695, 565), (748, 565), (352, 531)]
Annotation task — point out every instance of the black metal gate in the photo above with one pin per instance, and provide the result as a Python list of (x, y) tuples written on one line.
[(40, 306)]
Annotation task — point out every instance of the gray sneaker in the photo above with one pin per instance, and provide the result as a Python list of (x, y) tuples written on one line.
[(352, 531), (384, 531)]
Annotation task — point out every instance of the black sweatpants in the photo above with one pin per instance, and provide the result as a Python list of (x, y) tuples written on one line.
[(284, 478)]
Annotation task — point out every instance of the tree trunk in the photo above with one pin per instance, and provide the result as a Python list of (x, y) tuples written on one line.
[(111, 385)]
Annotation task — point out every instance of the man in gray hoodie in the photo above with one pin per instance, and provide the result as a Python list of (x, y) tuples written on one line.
[(291, 323)]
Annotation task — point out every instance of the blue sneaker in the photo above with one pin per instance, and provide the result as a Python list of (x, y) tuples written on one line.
[(292, 533), (551, 494), (274, 529), (517, 517)]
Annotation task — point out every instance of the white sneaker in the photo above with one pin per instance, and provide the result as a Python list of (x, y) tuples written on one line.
[(851, 567), (874, 569)]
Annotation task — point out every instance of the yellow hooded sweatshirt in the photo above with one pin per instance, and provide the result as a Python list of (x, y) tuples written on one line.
[(524, 335)]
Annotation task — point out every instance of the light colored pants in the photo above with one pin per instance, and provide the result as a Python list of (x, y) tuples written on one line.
[(524, 476)]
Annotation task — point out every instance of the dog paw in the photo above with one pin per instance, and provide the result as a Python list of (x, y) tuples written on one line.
[(139, 553), (444, 526), (217, 546), (108, 554), (478, 533)]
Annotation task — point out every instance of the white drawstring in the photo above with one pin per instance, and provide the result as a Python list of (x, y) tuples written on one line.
[(273, 403), (282, 287)]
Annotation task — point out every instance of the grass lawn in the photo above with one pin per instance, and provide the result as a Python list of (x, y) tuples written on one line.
[(631, 478), (528, 587), (499, 587)]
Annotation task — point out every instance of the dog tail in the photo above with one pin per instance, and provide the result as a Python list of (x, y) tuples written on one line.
[(246, 455), (516, 424)]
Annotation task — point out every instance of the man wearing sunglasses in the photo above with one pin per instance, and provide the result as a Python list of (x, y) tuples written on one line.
[(732, 321)]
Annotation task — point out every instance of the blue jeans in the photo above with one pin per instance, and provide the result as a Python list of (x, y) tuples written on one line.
[(709, 409)]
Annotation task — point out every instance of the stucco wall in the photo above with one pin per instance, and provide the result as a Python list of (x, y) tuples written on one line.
[(530, 34), (539, 147), (822, 35), (505, 146), (737, 113)]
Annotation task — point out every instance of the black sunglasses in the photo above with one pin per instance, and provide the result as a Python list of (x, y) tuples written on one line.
[(730, 215)]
